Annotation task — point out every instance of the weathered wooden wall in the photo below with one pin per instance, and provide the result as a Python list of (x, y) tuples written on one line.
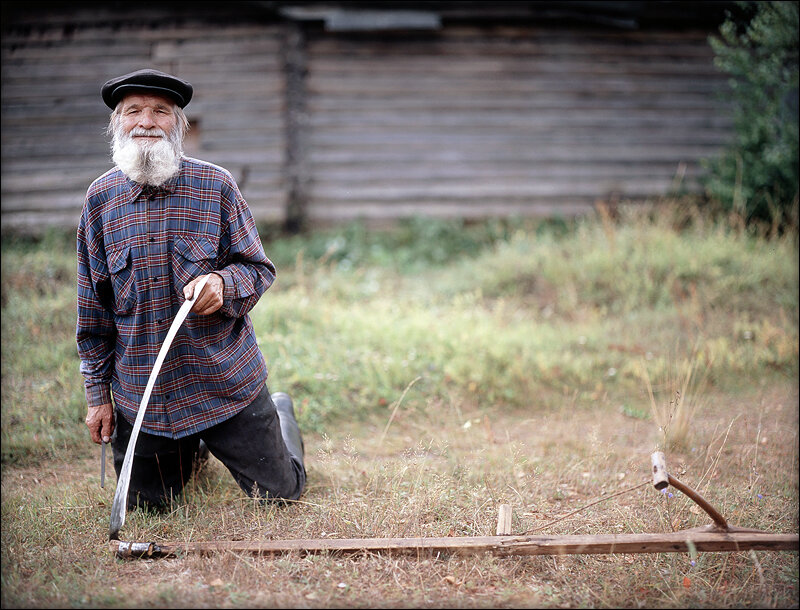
[(479, 122), (466, 121), (53, 120)]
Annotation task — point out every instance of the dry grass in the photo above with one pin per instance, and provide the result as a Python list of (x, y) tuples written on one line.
[(541, 373), (677, 397), (441, 471)]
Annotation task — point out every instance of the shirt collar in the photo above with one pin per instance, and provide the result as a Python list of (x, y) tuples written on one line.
[(147, 190), (165, 189)]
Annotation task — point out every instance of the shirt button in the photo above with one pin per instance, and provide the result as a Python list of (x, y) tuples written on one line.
[(152, 239)]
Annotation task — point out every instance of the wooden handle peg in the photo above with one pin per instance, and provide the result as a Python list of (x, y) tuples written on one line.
[(660, 475)]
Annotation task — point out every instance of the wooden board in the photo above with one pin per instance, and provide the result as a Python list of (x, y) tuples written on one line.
[(700, 540)]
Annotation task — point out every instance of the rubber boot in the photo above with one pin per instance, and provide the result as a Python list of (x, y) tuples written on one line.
[(290, 431), (201, 457)]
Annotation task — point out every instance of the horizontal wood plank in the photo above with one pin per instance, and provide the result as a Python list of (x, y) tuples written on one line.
[(503, 546), (471, 119)]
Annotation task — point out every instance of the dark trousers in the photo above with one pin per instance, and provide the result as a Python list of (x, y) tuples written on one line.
[(249, 444)]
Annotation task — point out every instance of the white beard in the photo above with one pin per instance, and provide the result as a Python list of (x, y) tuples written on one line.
[(151, 163)]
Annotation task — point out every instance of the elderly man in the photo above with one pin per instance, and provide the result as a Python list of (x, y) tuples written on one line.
[(151, 228)]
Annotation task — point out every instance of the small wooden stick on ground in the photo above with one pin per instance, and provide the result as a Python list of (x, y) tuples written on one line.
[(504, 520)]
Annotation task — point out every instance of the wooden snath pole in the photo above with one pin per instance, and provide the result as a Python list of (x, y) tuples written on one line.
[(700, 539), (719, 537)]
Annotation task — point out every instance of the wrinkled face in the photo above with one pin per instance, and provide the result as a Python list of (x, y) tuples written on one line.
[(147, 118), (148, 133)]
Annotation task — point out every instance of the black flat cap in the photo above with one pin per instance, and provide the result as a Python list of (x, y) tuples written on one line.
[(151, 81)]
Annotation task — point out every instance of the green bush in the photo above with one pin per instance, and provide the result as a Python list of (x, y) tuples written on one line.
[(757, 176)]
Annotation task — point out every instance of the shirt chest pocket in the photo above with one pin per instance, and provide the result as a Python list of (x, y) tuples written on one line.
[(123, 279), (191, 258)]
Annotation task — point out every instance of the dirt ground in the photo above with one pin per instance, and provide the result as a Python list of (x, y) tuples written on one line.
[(561, 460)]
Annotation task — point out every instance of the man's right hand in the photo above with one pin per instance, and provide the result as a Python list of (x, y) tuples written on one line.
[(100, 421)]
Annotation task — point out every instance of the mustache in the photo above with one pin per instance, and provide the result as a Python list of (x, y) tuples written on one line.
[(155, 132)]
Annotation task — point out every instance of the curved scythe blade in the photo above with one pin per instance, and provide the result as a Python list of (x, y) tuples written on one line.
[(120, 503)]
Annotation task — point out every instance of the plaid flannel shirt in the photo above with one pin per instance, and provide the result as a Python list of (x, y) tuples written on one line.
[(137, 249)]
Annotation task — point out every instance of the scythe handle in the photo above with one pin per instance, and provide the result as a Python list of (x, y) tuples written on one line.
[(662, 479), (719, 520)]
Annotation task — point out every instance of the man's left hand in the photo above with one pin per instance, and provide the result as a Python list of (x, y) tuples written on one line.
[(210, 299)]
